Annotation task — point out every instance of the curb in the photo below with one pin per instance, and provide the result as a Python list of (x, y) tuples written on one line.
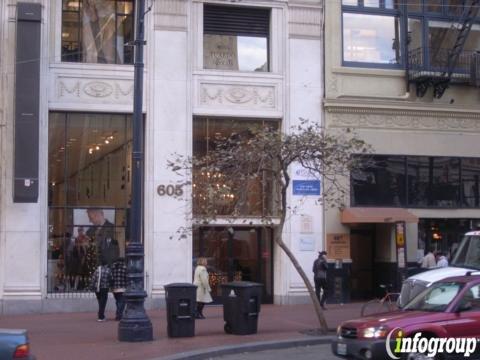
[(248, 347)]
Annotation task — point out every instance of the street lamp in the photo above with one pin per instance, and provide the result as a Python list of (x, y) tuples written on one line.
[(135, 325)]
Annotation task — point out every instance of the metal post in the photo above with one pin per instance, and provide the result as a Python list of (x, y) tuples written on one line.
[(135, 325)]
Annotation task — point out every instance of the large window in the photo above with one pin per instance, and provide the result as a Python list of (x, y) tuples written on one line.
[(236, 38), (89, 195), (371, 33), (417, 181), (257, 200), (374, 33), (97, 31)]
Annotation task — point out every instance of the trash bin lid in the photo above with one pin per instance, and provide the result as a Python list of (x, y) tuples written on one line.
[(241, 284), (179, 285)]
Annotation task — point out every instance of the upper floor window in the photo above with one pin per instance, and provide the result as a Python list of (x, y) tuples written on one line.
[(236, 38), (97, 31), (371, 32)]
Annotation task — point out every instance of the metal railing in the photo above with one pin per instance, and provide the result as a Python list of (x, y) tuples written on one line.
[(431, 64)]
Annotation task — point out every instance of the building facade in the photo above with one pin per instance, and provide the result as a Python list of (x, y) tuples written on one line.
[(392, 74), (210, 67)]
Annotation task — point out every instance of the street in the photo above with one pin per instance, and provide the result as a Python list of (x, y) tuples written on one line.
[(299, 353)]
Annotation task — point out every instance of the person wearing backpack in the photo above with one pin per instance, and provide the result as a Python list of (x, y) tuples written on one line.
[(320, 269)]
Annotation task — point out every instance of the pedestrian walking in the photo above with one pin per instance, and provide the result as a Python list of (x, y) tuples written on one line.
[(320, 269), (100, 283), (200, 279), (119, 285)]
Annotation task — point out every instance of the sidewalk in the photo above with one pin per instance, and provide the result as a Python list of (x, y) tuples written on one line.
[(77, 336)]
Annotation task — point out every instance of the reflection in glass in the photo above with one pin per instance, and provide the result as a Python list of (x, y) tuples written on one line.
[(415, 43), (371, 38), (455, 7), (96, 31), (89, 194), (371, 3), (418, 180), (391, 4), (381, 182), (256, 200), (433, 6), (414, 6), (230, 52), (471, 183), (445, 181)]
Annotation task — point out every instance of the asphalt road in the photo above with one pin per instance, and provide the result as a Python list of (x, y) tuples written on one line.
[(316, 352)]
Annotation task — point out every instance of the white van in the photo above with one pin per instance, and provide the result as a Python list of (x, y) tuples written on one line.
[(467, 258)]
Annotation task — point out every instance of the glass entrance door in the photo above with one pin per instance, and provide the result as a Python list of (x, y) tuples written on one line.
[(234, 254)]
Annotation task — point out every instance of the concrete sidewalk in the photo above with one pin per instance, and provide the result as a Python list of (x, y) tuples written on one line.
[(78, 336)]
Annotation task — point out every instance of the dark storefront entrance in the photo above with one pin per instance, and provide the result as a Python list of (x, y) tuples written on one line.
[(236, 253)]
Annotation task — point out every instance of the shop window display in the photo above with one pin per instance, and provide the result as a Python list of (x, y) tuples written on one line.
[(89, 195)]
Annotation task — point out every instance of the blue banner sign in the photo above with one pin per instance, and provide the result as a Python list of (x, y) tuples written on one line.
[(306, 187)]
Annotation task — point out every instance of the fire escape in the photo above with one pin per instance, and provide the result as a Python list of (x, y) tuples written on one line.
[(442, 67)]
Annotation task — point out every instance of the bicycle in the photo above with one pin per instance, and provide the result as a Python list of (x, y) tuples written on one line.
[(387, 303)]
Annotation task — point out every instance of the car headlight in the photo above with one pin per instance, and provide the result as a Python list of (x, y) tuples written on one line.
[(374, 332)]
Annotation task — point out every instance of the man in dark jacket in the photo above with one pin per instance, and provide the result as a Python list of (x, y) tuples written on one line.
[(320, 268)]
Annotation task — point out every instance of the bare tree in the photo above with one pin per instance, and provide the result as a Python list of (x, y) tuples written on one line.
[(248, 173)]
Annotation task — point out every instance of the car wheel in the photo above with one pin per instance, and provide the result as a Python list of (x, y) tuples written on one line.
[(421, 356)]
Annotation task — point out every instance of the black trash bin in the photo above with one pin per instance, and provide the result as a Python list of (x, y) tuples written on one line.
[(181, 301), (241, 307)]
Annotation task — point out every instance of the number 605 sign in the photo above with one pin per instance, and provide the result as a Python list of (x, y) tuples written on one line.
[(170, 190)]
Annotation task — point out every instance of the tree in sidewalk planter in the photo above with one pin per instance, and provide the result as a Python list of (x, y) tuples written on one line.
[(247, 173)]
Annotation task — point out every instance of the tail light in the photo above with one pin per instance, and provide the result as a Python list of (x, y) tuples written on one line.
[(22, 352)]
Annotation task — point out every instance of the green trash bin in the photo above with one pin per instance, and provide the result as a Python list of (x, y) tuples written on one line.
[(241, 307), (181, 301)]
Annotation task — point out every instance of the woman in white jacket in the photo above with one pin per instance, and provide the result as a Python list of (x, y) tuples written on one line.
[(200, 278)]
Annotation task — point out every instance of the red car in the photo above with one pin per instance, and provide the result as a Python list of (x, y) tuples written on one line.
[(449, 308)]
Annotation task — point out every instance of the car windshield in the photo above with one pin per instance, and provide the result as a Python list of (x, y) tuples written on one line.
[(435, 298), (468, 253)]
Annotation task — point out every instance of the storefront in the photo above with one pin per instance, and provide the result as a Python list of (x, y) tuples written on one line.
[(236, 254), (88, 195)]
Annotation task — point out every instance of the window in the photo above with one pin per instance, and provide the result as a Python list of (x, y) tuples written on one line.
[(385, 178), (97, 31), (438, 22), (371, 33), (417, 181), (236, 38), (258, 200), (89, 160)]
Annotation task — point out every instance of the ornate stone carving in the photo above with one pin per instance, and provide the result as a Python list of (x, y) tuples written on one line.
[(403, 119), (170, 15), (98, 89), (259, 97), (88, 90), (305, 21)]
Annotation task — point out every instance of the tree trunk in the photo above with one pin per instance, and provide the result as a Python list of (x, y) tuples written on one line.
[(293, 259), (311, 290)]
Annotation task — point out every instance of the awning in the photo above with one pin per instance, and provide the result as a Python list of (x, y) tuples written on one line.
[(359, 215)]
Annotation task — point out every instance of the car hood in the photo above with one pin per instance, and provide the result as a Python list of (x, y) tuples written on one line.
[(439, 274), (395, 319)]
